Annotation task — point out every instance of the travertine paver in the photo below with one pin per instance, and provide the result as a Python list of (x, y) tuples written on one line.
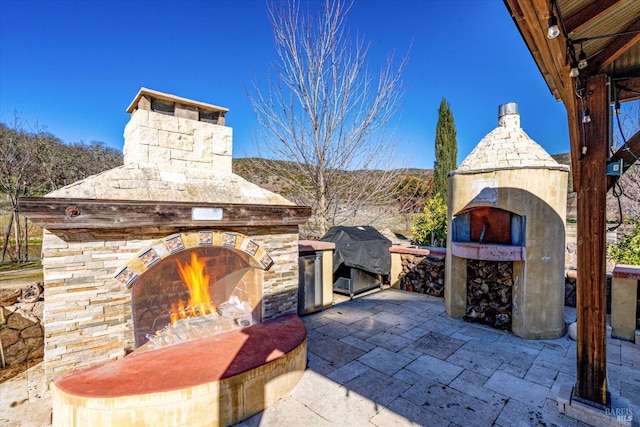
[(431, 367), (378, 387), (437, 345), (384, 360), (451, 373), (347, 372), (348, 383), (452, 404), (402, 412), (337, 353), (390, 341), (517, 388)]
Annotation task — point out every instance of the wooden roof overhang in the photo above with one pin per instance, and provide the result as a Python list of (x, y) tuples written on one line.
[(608, 32)]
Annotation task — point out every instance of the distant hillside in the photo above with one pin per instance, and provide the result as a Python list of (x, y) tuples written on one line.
[(244, 168)]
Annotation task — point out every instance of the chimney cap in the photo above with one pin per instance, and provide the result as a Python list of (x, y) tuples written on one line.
[(509, 108), (173, 98)]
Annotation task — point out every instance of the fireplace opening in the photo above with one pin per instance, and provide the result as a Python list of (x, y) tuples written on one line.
[(489, 293), (488, 225), (195, 293)]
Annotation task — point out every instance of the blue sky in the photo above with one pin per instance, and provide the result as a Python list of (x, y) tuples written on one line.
[(73, 67)]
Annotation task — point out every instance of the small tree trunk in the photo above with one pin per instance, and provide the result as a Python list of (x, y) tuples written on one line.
[(322, 200), (26, 239), (17, 233), (7, 234)]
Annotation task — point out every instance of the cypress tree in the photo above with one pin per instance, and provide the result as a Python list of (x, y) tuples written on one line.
[(446, 149)]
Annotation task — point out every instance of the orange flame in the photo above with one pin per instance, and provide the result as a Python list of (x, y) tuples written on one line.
[(199, 304)]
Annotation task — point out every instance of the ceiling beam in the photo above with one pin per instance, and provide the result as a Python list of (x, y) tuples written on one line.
[(588, 14), (615, 49), (628, 90)]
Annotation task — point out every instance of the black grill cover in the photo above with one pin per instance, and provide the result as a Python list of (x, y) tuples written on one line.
[(360, 247)]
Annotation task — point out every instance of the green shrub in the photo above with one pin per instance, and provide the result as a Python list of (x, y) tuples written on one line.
[(627, 251), (430, 226)]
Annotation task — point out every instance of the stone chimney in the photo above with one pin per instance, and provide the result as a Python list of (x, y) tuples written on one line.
[(179, 137), (175, 150)]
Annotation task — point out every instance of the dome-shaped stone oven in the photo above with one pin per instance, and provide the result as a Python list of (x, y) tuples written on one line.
[(506, 240), (507, 146)]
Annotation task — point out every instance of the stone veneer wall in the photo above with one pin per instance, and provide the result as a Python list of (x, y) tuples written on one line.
[(87, 315)]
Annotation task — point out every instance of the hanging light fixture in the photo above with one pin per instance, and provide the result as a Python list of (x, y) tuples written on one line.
[(586, 116), (553, 30), (575, 71), (582, 59)]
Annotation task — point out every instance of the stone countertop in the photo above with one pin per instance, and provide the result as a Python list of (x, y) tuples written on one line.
[(418, 250), (315, 245)]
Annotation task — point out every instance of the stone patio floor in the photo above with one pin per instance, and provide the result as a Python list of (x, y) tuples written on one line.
[(395, 358)]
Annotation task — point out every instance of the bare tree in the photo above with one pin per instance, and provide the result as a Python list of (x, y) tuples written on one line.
[(18, 170), (325, 114), (33, 162)]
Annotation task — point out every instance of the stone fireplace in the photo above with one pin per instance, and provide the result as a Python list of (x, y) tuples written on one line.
[(117, 246), (506, 239)]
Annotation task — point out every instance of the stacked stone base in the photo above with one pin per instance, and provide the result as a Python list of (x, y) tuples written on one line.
[(21, 333)]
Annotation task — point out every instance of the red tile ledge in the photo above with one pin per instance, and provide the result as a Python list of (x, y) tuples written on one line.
[(624, 271), (315, 245), (188, 364)]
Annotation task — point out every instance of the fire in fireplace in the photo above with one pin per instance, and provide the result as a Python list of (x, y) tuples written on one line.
[(195, 293)]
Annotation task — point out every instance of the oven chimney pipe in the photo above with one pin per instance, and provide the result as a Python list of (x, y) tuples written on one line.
[(509, 110)]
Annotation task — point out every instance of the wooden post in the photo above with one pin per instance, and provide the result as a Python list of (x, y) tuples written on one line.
[(591, 308)]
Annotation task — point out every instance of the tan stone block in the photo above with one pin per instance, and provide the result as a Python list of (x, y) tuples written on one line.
[(187, 126), (172, 140), (163, 121)]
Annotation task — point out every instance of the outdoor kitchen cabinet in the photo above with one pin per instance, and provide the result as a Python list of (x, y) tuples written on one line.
[(314, 276)]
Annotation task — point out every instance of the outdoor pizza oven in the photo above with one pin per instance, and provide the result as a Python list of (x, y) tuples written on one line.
[(169, 247), (507, 206)]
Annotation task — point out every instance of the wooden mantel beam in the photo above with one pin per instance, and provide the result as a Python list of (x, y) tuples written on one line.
[(67, 214)]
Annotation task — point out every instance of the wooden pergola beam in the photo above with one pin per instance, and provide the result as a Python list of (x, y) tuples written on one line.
[(588, 14), (615, 49)]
